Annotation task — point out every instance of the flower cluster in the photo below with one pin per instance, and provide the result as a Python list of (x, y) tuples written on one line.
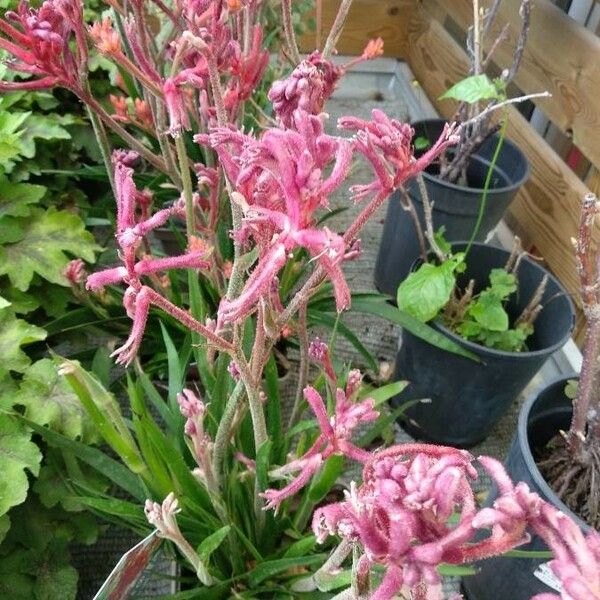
[(400, 516), (40, 42), (280, 179), (334, 437), (201, 445), (131, 231)]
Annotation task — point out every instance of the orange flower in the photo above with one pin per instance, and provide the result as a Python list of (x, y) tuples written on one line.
[(105, 37), (119, 103), (373, 49)]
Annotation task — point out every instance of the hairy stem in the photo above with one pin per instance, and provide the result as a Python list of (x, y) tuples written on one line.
[(288, 29), (224, 433), (134, 143), (304, 364), (188, 193), (104, 146), (336, 28)]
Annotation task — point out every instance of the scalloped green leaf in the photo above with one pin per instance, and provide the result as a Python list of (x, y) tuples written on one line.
[(15, 198), (49, 400), (47, 237), (18, 454), (15, 333)]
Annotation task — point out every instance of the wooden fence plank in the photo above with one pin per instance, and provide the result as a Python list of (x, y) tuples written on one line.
[(368, 19), (561, 56), (547, 208)]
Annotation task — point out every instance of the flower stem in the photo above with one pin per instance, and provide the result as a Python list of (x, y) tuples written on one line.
[(224, 431), (104, 146), (134, 143), (186, 180)]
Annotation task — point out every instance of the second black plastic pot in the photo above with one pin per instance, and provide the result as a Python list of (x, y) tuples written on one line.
[(543, 415), (467, 398), (455, 207)]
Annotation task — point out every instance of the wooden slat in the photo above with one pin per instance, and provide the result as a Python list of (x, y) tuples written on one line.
[(561, 56), (368, 19), (547, 208)]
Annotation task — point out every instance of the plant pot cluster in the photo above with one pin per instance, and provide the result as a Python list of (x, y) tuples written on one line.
[(463, 399)]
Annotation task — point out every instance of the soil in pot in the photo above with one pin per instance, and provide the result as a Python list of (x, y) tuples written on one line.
[(467, 398), (455, 207), (543, 415)]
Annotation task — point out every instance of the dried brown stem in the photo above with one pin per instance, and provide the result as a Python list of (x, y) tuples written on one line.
[(534, 306), (589, 275), (525, 14), (409, 206), (336, 28), (427, 206)]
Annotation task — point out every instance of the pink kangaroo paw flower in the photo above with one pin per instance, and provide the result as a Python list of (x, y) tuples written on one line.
[(127, 352), (98, 281), (390, 585), (258, 284), (318, 407), (193, 260), (276, 497)]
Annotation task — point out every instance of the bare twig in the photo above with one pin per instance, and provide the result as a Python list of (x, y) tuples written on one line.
[(304, 363), (516, 251), (490, 17), (534, 306), (502, 37), (525, 14), (336, 28), (409, 206), (427, 206), (493, 107), (288, 29), (589, 275)]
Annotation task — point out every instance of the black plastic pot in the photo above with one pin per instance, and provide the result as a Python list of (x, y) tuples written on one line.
[(455, 207), (543, 415), (467, 397)]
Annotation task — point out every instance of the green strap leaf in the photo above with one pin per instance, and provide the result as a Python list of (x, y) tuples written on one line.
[(110, 468), (212, 542), (376, 304), (274, 567)]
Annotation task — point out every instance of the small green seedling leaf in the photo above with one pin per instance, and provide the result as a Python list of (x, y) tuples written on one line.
[(421, 143), (472, 89), (427, 290)]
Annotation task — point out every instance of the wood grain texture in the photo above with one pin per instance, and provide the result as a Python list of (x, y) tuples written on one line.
[(368, 19), (561, 56), (547, 207)]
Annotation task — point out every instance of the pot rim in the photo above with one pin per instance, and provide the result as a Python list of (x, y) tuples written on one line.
[(484, 350), (522, 437), (476, 191)]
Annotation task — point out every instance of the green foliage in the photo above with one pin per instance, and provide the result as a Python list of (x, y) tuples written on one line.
[(18, 454), (49, 400), (15, 333), (44, 237), (430, 292), (427, 290), (34, 556), (41, 230), (474, 89), (486, 321)]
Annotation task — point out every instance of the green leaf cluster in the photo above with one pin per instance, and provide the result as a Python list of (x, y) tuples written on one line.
[(40, 232), (430, 291), (486, 321), (427, 290), (476, 88)]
